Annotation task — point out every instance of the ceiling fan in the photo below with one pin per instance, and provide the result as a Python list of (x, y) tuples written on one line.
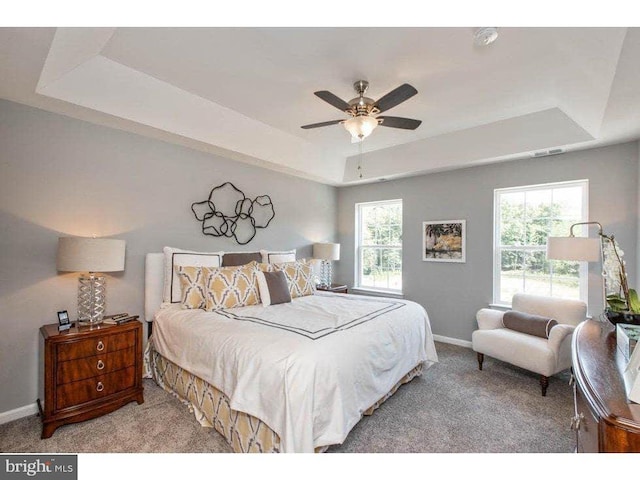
[(363, 110)]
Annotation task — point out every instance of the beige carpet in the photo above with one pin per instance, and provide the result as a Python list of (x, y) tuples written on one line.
[(453, 407)]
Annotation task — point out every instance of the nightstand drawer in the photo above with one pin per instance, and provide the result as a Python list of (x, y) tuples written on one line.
[(81, 368), (95, 346), (76, 393)]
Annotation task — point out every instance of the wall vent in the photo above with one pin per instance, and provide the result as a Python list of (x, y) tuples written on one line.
[(546, 153)]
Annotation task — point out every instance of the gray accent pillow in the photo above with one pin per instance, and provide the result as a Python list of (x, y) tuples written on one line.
[(273, 288), (528, 323), (241, 258)]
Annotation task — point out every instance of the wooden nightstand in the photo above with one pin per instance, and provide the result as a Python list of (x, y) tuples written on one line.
[(335, 288), (89, 371)]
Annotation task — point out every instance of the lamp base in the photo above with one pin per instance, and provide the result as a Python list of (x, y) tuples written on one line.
[(92, 295), (325, 274)]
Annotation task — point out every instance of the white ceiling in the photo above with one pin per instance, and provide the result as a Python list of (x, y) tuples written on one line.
[(245, 92)]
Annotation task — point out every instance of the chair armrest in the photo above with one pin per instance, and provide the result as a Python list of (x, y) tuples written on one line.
[(489, 319), (558, 334)]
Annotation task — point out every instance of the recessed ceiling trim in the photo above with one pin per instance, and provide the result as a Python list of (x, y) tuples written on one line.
[(519, 135), (107, 86), (70, 48)]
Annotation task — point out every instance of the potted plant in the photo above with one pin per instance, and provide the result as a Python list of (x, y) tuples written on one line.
[(623, 305)]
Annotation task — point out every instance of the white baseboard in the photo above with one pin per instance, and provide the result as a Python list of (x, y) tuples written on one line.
[(16, 413), (452, 341)]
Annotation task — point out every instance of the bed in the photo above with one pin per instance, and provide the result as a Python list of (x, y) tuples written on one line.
[(294, 377)]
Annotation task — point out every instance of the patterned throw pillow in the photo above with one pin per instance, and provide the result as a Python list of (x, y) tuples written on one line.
[(299, 277), (192, 287), (174, 257), (229, 287)]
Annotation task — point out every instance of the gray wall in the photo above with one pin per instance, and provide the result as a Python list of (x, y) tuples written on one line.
[(60, 176), (453, 292)]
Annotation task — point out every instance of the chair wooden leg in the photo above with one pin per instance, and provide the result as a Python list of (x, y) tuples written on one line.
[(544, 383), (480, 360)]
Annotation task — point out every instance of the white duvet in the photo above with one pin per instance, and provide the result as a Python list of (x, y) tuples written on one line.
[(309, 368)]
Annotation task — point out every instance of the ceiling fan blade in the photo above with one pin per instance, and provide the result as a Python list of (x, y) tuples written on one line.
[(399, 122), (396, 97), (321, 124), (332, 99)]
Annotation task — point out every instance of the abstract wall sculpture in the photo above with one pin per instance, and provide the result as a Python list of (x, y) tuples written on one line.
[(229, 213)]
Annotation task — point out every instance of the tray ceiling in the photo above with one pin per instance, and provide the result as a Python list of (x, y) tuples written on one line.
[(245, 92)]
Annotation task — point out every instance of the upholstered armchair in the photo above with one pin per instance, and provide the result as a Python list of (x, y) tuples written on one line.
[(544, 356)]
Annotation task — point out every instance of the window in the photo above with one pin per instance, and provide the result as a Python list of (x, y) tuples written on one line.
[(379, 246), (524, 218)]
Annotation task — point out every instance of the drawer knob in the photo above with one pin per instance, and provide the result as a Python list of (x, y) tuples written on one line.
[(100, 346), (100, 387), (100, 365)]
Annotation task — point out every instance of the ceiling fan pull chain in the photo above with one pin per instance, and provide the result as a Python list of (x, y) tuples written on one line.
[(360, 158)]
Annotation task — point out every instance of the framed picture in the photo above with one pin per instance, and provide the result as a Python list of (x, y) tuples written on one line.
[(444, 241), (63, 320), (631, 377)]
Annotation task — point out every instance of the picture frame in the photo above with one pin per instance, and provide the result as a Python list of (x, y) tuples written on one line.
[(444, 241), (631, 377), (64, 323)]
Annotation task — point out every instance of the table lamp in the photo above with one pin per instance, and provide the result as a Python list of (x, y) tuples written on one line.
[(327, 252), (91, 255)]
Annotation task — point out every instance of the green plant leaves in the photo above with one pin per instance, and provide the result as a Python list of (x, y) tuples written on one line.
[(617, 303), (634, 302)]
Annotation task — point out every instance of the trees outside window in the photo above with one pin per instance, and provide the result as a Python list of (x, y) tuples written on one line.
[(379, 245), (524, 218)]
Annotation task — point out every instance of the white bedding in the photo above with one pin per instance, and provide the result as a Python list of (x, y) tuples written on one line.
[(309, 368)]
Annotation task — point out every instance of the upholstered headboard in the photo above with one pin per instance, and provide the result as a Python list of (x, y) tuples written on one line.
[(153, 284)]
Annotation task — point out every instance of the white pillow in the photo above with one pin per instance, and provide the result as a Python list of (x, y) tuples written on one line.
[(269, 256), (184, 258)]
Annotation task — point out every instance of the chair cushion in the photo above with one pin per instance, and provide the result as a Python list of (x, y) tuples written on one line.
[(528, 323), (525, 351)]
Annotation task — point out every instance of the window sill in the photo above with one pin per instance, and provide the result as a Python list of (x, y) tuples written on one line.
[(376, 293), (500, 306)]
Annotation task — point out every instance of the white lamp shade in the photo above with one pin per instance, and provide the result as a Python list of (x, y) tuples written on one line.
[(326, 251), (360, 127), (79, 254), (580, 249)]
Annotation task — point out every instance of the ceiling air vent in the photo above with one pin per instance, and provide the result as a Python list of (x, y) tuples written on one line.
[(546, 153)]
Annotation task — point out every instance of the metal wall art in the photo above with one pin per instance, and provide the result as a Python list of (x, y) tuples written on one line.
[(229, 213)]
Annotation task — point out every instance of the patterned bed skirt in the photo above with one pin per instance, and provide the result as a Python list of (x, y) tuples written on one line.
[(243, 432)]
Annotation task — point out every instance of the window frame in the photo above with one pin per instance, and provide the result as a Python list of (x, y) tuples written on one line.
[(583, 268), (358, 246)]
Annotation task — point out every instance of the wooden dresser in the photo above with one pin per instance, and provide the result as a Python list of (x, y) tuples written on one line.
[(88, 371), (604, 421)]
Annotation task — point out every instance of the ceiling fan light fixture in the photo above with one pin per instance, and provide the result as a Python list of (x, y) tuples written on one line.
[(360, 127), (485, 36)]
